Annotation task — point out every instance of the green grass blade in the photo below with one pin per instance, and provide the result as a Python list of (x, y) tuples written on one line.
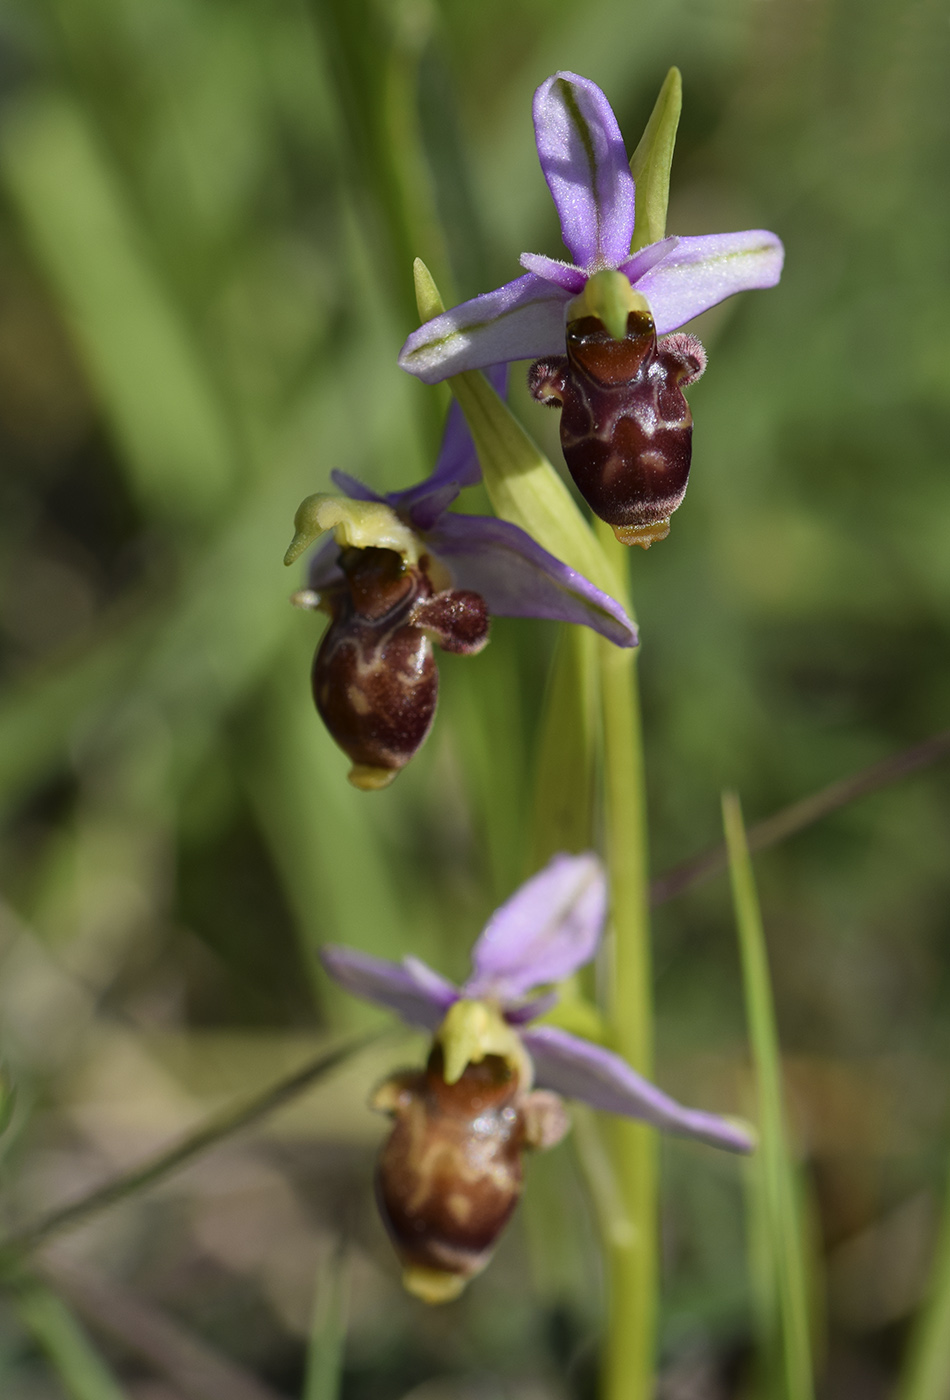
[(782, 1223), (152, 384), (84, 1374), (328, 1330), (926, 1373)]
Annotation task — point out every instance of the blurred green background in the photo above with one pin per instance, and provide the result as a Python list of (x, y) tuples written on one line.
[(208, 210)]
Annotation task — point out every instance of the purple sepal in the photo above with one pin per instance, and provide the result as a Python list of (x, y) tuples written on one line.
[(578, 1069), (416, 993), (700, 272), (522, 320), (530, 1010), (584, 162), (517, 578), (547, 930), (354, 488), (456, 465)]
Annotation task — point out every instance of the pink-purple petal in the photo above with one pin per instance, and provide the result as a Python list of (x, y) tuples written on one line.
[(700, 272), (416, 993), (523, 1012), (517, 578), (560, 274), (547, 930), (354, 488), (522, 320), (581, 1070), (584, 162), (635, 268)]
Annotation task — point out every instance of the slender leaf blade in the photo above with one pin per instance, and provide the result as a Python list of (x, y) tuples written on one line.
[(782, 1221)]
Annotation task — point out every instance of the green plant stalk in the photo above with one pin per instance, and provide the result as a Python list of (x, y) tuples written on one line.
[(632, 1254), (328, 1329), (926, 1371), (782, 1219), (82, 1371)]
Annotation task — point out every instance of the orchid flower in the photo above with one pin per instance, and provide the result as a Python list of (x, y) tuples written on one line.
[(626, 429), (486, 1053), (401, 571)]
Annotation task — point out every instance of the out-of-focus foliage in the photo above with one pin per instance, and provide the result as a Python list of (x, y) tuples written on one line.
[(209, 210)]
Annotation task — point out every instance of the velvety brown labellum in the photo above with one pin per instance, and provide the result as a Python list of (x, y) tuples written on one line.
[(626, 429), (450, 1174), (375, 681)]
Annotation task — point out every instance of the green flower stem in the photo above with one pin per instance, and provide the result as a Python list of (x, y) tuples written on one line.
[(633, 1260), (632, 1255)]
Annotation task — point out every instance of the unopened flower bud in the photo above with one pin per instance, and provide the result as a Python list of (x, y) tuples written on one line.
[(626, 428), (450, 1173), (375, 681)]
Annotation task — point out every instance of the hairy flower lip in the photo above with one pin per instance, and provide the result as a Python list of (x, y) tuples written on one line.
[(549, 928), (585, 165)]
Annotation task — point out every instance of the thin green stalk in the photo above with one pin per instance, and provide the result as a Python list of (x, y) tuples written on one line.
[(781, 1215), (632, 1261), (797, 816), (632, 1254), (328, 1329), (215, 1130), (84, 1374), (926, 1372)]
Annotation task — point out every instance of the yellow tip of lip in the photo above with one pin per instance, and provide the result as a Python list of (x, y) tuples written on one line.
[(643, 535), (433, 1285), (369, 779)]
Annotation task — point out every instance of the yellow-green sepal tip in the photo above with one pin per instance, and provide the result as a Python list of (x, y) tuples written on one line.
[(651, 161), (357, 524), (473, 1029)]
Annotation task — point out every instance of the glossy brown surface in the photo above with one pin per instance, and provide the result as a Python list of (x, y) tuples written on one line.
[(626, 428), (375, 682), (450, 1175)]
